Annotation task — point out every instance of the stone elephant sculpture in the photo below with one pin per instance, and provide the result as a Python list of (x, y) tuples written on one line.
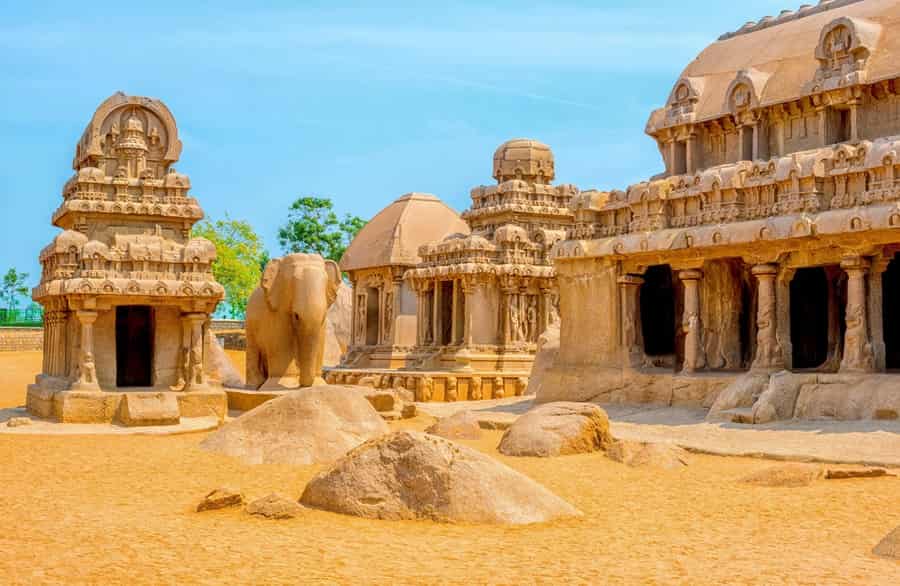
[(286, 321)]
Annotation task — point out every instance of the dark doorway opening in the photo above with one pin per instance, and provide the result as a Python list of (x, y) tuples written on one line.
[(658, 311), (446, 315), (891, 313), (372, 315), (809, 317), (134, 346)]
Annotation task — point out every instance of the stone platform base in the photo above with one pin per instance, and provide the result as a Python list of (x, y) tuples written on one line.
[(767, 397), (632, 387), (391, 404), (131, 409), (435, 385), (245, 400)]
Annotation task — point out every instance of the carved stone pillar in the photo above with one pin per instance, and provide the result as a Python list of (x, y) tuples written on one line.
[(436, 330), (632, 347), (506, 313), (454, 318), (547, 313), (783, 311), (858, 354), (468, 287), (87, 369), (192, 351), (876, 313), (769, 355), (694, 358)]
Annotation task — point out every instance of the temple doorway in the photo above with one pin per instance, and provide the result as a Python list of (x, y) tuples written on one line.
[(372, 313), (891, 313), (658, 311), (134, 346), (809, 317)]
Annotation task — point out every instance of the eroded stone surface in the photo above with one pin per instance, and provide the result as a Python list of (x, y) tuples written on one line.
[(462, 425), (785, 475), (312, 425), (648, 455), (275, 506), (889, 547), (558, 429), (412, 475), (221, 498)]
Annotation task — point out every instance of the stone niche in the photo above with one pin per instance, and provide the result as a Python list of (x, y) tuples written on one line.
[(127, 292)]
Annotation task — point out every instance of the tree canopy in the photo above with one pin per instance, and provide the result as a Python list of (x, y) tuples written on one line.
[(13, 287), (314, 227), (240, 259)]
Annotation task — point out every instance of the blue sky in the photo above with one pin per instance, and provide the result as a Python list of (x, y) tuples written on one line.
[(358, 101)]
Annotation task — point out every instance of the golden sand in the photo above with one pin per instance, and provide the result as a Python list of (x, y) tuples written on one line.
[(112, 510)]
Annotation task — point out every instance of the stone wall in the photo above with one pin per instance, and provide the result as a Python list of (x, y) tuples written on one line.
[(21, 339)]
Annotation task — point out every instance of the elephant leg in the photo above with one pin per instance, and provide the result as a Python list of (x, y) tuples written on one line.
[(310, 358), (253, 368)]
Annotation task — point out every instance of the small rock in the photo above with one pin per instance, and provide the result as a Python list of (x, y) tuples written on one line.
[(275, 506), (221, 498), (864, 473), (648, 455), (18, 422), (784, 475), (409, 411), (889, 547), (462, 425)]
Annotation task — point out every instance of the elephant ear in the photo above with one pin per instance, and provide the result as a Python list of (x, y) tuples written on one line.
[(268, 284), (334, 280)]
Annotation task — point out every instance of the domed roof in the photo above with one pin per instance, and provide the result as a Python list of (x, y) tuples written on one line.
[(394, 235), (524, 158)]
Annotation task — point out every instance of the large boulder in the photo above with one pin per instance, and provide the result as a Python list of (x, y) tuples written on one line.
[(558, 429), (313, 425), (337, 326), (889, 547), (413, 475)]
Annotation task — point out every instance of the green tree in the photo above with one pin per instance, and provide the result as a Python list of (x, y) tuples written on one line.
[(314, 227), (239, 260), (13, 287)]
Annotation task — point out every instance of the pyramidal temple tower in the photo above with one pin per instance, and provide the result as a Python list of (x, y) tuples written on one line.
[(126, 291)]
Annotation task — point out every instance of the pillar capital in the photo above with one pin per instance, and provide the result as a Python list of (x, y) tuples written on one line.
[(690, 274), (86, 316), (765, 270), (631, 280), (855, 262)]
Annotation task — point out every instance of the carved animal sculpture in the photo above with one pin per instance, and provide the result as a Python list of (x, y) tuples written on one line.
[(286, 321)]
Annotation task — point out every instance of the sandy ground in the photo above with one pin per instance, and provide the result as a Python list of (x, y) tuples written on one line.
[(112, 510)]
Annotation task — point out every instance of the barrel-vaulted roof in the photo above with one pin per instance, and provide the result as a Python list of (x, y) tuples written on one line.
[(781, 59)]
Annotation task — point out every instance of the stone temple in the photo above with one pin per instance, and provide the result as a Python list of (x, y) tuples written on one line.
[(757, 275), (126, 291), (475, 302)]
